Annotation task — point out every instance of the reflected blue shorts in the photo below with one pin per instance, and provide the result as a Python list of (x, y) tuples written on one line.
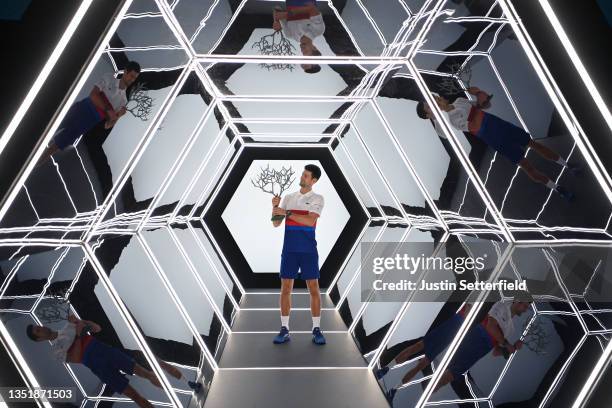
[(306, 262), (475, 345), (298, 3), (80, 119), (105, 362), (504, 137)]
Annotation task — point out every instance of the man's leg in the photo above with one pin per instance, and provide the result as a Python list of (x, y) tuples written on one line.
[(409, 351), (535, 175), (315, 301), (132, 394), (49, 151), (285, 300), (423, 362), (551, 155), (170, 369), (144, 373), (446, 378)]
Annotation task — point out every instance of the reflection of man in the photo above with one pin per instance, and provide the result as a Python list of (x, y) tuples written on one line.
[(490, 334), (504, 137), (302, 22), (106, 102), (72, 344), (301, 210)]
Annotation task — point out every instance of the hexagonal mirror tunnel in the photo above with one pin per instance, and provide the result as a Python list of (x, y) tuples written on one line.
[(255, 204)]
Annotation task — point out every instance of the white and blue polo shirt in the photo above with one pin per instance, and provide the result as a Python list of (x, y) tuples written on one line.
[(300, 237)]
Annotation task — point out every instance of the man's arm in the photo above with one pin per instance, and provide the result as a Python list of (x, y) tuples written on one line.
[(74, 352), (95, 327), (482, 98), (495, 331), (308, 219)]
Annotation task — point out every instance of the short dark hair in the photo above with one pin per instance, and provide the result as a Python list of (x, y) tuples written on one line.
[(314, 170), (30, 332), (314, 68), (132, 66), (421, 112)]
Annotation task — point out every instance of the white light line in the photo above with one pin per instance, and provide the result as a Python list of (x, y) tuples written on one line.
[(547, 80), (460, 153), (584, 74), (176, 165), (371, 293), (198, 278), (289, 368), (465, 326), (44, 73), (55, 124), (196, 177), (176, 300), (126, 316), (203, 21), (22, 366), (138, 152), (200, 245)]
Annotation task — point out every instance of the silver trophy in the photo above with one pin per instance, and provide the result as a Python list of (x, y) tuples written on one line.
[(275, 182)]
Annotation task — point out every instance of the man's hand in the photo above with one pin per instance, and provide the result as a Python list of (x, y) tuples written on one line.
[(112, 115), (276, 201), (72, 319), (442, 103), (473, 90), (511, 349), (276, 26), (279, 211), (518, 345), (121, 111)]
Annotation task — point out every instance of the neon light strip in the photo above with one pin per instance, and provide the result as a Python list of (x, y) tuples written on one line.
[(454, 345), (137, 153), (402, 312), (198, 278), (104, 280), (22, 366), (559, 101), (176, 165), (371, 294), (176, 300), (44, 73), (30, 166), (472, 173), (228, 291)]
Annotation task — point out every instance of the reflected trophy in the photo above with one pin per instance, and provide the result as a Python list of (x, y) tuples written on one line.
[(269, 178)]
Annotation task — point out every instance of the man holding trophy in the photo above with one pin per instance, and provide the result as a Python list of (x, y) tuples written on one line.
[(300, 210)]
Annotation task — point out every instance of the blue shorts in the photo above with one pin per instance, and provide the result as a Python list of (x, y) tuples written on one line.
[(80, 119), (504, 137), (473, 347), (306, 262), (105, 362)]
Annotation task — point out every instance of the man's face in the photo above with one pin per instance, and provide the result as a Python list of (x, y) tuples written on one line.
[(521, 307), (306, 180), (42, 333), (428, 111), (129, 77)]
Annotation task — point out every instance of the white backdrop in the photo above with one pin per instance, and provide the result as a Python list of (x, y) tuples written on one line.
[(247, 216)]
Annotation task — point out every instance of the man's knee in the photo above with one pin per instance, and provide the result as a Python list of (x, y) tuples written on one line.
[(313, 287), (286, 286)]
